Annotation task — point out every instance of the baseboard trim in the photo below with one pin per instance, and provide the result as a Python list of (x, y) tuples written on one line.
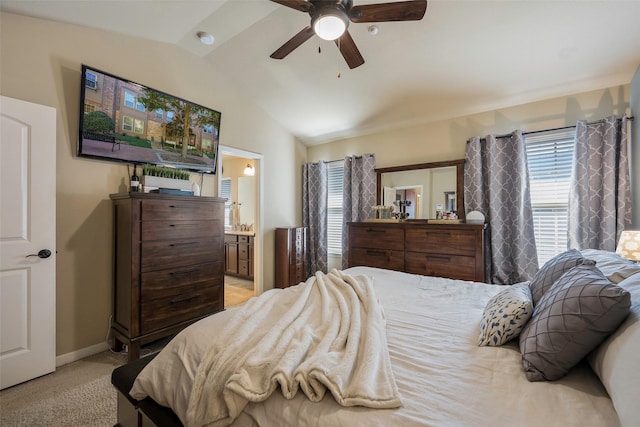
[(64, 359)]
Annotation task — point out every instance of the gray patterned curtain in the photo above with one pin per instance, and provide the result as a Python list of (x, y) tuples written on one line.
[(600, 195), (496, 183), (359, 195), (314, 214)]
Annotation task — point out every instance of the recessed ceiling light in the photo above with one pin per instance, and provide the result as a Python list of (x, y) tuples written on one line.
[(205, 38)]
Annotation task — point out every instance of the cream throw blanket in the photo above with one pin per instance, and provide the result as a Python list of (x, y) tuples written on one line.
[(326, 333)]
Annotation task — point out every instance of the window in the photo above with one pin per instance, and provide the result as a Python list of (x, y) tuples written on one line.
[(131, 101), (225, 192), (208, 129), (91, 80), (127, 123), (159, 113), (88, 108), (138, 126), (133, 125), (170, 115), (334, 207), (550, 159)]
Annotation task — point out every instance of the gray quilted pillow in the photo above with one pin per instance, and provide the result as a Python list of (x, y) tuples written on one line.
[(505, 315), (551, 271), (575, 315)]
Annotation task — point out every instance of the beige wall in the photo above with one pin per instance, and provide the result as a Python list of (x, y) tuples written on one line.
[(40, 62), (445, 140)]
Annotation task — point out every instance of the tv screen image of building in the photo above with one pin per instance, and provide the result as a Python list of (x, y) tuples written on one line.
[(124, 121)]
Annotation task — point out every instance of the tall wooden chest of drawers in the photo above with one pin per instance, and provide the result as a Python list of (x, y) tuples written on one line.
[(290, 256), (169, 265), (455, 251)]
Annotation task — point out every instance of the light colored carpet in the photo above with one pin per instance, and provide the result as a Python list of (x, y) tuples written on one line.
[(80, 394), (77, 394)]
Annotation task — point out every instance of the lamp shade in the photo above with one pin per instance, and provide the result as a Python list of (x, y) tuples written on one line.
[(629, 245), (249, 170)]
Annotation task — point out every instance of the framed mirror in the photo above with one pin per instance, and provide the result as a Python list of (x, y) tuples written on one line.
[(423, 188)]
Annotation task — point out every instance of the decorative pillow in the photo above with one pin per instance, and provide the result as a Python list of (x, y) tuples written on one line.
[(505, 315), (575, 315), (615, 361), (613, 266), (551, 271)]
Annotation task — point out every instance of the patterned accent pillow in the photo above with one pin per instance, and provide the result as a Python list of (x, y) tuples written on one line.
[(572, 318), (505, 315), (551, 271)]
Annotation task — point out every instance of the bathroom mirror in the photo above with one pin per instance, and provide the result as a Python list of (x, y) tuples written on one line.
[(425, 188)]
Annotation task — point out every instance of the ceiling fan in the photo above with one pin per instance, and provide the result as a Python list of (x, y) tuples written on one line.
[(330, 20)]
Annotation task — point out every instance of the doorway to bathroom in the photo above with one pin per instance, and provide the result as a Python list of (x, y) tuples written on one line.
[(240, 183)]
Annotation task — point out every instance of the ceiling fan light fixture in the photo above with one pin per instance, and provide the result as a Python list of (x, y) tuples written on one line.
[(330, 23)]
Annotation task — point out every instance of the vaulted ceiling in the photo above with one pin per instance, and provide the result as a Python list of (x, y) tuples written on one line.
[(463, 57)]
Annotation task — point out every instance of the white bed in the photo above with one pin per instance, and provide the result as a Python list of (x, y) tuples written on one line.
[(444, 378)]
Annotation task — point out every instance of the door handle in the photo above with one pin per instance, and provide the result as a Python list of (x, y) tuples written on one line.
[(44, 253)]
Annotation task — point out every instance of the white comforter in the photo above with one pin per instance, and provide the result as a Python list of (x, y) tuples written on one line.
[(443, 377), (327, 333)]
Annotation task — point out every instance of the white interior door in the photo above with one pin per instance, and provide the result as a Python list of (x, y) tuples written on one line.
[(27, 226), (247, 199)]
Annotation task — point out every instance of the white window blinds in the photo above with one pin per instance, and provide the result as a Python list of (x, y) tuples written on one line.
[(334, 207), (225, 192), (550, 159)]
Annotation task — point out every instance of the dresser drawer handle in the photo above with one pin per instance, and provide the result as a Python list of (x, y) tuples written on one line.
[(182, 225), (375, 252), (437, 258), (433, 233), (374, 230), (386, 254), (193, 270), (180, 206), (183, 244), (185, 299)]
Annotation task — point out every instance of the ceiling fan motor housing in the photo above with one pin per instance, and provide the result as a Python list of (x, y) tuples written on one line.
[(330, 9), (330, 19)]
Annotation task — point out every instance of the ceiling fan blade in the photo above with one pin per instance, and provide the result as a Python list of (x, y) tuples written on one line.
[(293, 43), (349, 50), (301, 5), (412, 10)]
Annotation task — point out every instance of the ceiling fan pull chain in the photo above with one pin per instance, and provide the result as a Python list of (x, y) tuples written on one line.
[(339, 49)]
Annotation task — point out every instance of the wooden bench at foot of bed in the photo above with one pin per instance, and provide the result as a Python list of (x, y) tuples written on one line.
[(139, 413)]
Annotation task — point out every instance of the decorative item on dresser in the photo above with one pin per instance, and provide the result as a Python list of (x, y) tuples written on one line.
[(291, 256), (455, 251), (238, 254), (168, 270)]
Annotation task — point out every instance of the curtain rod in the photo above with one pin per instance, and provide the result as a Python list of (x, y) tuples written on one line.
[(342, 160), (554, 129)]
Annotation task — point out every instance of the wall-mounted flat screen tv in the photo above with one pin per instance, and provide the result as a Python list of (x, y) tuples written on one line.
[(124, 121)]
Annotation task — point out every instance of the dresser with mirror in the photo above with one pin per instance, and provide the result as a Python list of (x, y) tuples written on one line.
[(421, 244)]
